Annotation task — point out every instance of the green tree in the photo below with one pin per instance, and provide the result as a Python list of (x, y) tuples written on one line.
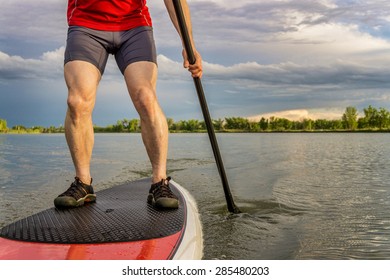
[(134, 125), (370, 119), (337, 124), (307, 124), (362, 124), (350, 118), (178, 126), (322, 124), (254, 126), (192, 125), (19, 128), (297, 125), (383, 118), (273, 123), (38, 129), (118, 127), (170, 123), (284, 124), (218, 124), (3, 125), (237, 123), (263, 124), (202, 125), (280, 124)]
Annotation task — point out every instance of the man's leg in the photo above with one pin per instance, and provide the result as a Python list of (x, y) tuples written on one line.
[(82, 79), (141, 80)]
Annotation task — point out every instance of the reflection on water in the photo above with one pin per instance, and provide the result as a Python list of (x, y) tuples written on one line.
[(303, 196)]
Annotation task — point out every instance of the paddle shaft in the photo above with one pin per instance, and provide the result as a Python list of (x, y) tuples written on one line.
[(206, 115)]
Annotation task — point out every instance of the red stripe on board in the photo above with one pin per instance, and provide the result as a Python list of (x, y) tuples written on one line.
[(153, 249)]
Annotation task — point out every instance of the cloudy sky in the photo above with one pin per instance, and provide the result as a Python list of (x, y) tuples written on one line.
[(295, 58)]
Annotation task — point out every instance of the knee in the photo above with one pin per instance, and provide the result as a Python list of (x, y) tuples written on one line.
[(79, 105), (82, 79), (145, 102)]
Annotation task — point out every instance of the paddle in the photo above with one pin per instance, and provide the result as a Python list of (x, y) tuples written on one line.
[(206, 115)]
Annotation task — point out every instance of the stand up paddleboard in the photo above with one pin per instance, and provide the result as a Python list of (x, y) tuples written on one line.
[(121, 225)]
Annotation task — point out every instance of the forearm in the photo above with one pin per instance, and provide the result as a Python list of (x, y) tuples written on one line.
[(187, 16), (196, 67)]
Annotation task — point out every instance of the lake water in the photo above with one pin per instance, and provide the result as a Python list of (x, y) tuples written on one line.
[(303, 195)]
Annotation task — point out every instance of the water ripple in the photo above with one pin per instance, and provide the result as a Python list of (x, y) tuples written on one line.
[(302, 196)]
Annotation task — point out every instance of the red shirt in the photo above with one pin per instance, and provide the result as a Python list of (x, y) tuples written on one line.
[(108, 15)]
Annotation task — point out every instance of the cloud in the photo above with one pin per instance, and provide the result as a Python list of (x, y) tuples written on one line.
[(248, 88), (30, 20), (347, 74), (259, 56), (239, 85), (48, 66), (302, 114), (292, 77), (297, 31), (254, 75)]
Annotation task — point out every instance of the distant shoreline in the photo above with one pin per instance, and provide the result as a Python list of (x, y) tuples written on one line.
[(216, 131), (374, 121)]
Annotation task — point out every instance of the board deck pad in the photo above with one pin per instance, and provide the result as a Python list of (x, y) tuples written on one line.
[(120, 214)]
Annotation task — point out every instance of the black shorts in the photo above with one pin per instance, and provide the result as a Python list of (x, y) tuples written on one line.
[(94, 46)]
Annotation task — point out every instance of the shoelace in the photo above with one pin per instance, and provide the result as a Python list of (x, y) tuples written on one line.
[(75, 190), (162, 189)]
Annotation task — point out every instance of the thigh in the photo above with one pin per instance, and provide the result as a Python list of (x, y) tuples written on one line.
[(136, 45), (87, 45), (82, 79), (141, 78), (141, 82)]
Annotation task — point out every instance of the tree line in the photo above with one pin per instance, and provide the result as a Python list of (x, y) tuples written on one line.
[(373, 120)]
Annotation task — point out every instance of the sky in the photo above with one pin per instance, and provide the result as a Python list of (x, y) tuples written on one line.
[(288, 58)]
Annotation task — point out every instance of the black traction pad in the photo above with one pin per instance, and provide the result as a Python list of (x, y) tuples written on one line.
[(120, 214)]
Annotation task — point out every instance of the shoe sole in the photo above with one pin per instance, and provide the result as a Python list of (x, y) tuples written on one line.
[(70, 202)]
